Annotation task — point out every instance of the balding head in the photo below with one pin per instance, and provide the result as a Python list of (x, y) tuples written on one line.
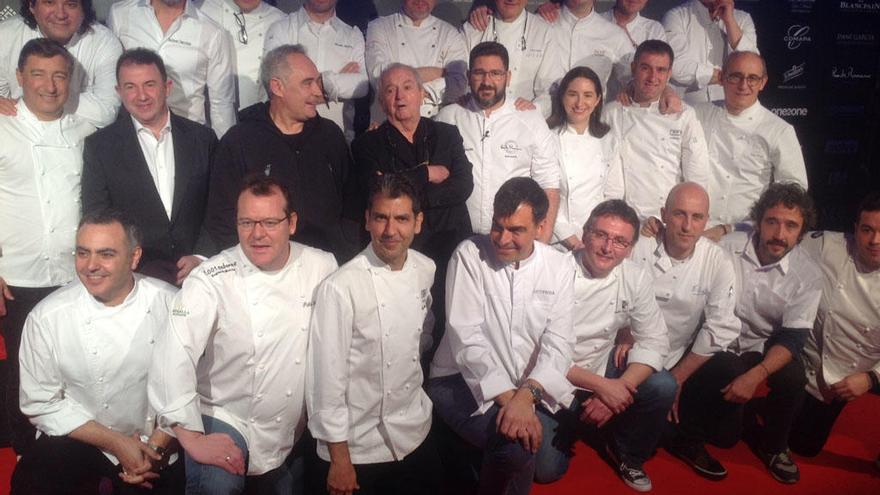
[(685, 216)]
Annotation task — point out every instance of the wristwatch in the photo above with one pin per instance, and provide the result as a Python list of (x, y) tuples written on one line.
[(537, 393)]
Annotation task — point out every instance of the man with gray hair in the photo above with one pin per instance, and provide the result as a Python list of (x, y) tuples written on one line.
[(287, 140)]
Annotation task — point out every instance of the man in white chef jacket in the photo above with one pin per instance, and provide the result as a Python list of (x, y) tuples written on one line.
[(372, 321), (749, 146), (336, 48), (703, 33), (247, 22), (40, 166), (695, 286), (85, 353), (414, 37), (627, 399), (507, 348), (535, 58), (658, 151), (228, 378), (778, 287), (501, 141), (842, 354), (624, 13)]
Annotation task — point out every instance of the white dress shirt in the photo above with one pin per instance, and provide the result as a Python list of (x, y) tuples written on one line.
[(83, 361), (638, 29), (697, 296), (364, 377), (780, 295), (590, 172), (40, 172), (159, 155), (197, 52), (505, 325), (248, 56), (746, 153), (596, 43), (434, 43), (602, 306), (535, 62), (93, 82), (846, 336), (236, 350), (508, 143), (700, 46), (330, 46), (658, 152)]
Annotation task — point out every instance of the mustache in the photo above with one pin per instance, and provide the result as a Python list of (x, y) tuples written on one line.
[(487, 87), (777, 242)]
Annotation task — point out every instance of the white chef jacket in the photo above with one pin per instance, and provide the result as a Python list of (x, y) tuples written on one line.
[(506, 325), (236, 350), (846, 336), (590, 172), (508, 143), (639, 29), (83, 361), (364, 377), (746, 153), (93, 82), (658, 151), (159, 155), (40, 171), (248, 56), (697, 296), (780, 295), (534, 66), (197, 52), (596, 43), (330, 46), (700, 46), (602, 306), (434, 43)]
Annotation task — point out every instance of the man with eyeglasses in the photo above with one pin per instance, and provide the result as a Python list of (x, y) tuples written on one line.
[(500, 141), (228, 377), (248, 22), (628, 401), (749, 146)]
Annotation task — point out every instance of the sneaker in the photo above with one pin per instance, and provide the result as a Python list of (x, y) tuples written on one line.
[(695, 455), (781, 466), (634, 476)]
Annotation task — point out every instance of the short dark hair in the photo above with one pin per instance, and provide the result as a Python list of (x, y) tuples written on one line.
[(108, 216), (89, 16), (789, 194), (260, 184), (393, 186), (488, 49), (45, 48), (654, 47), (615, 208), (871, 202), (518, 191), (141, 56), (557, 118)]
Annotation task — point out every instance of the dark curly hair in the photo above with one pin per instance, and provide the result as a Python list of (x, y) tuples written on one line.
[(789, 194), (89, 16)]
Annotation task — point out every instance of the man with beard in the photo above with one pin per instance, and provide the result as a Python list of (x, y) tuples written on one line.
[(500, 141)]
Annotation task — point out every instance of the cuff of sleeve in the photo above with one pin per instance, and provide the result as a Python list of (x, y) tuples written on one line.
[(646, 357), (491, 386), (62, 422), (563, 230), (557, 388), (188, 416), (328, 78), (330, 425), (704, 74)]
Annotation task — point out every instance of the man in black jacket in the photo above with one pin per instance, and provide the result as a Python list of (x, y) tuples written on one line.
[(430, 154), (153, 165), (287, 140)]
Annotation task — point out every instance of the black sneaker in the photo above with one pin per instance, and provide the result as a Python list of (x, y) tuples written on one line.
[(781, 466), (695, 455), (634, 476)]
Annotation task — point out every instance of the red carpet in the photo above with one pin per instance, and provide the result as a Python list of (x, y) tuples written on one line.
[(846, 467)]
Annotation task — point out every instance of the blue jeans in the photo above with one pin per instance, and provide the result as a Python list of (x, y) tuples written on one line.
[(633, 434), (206, 479), (507, 468)]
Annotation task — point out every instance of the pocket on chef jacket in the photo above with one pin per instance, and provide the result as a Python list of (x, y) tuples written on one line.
[(770, 305)]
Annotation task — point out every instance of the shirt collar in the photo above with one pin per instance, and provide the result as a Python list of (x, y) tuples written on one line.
[(138, 127), (189, 10), (751, 255), (303, 19), (24, 114), (506, 107), (376, 264), (585, 274), (404, 20), (246, 267), (95, 307), (570, 19), (747, 114), (516, 22)]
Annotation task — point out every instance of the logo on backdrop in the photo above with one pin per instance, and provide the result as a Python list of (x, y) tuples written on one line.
[(872, 6), (863, 39), (846, 110), (801, 6), (790, 111), (842, 147), (796, 36), (848, 73), (795, 74)]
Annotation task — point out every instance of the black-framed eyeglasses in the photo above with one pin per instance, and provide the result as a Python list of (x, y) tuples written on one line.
[(242, 28), (603, 237), (736, 78), (493, 74), (267, 223)]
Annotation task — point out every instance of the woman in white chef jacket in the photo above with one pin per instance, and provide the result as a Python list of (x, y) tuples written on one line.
[(589, 160)]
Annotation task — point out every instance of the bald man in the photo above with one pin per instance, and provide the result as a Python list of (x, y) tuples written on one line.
[(694, 284)]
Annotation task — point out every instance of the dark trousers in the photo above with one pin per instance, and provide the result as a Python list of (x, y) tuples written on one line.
[(16, 312), (62, 466), (417, 473), (813, 424), (705, 415)]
